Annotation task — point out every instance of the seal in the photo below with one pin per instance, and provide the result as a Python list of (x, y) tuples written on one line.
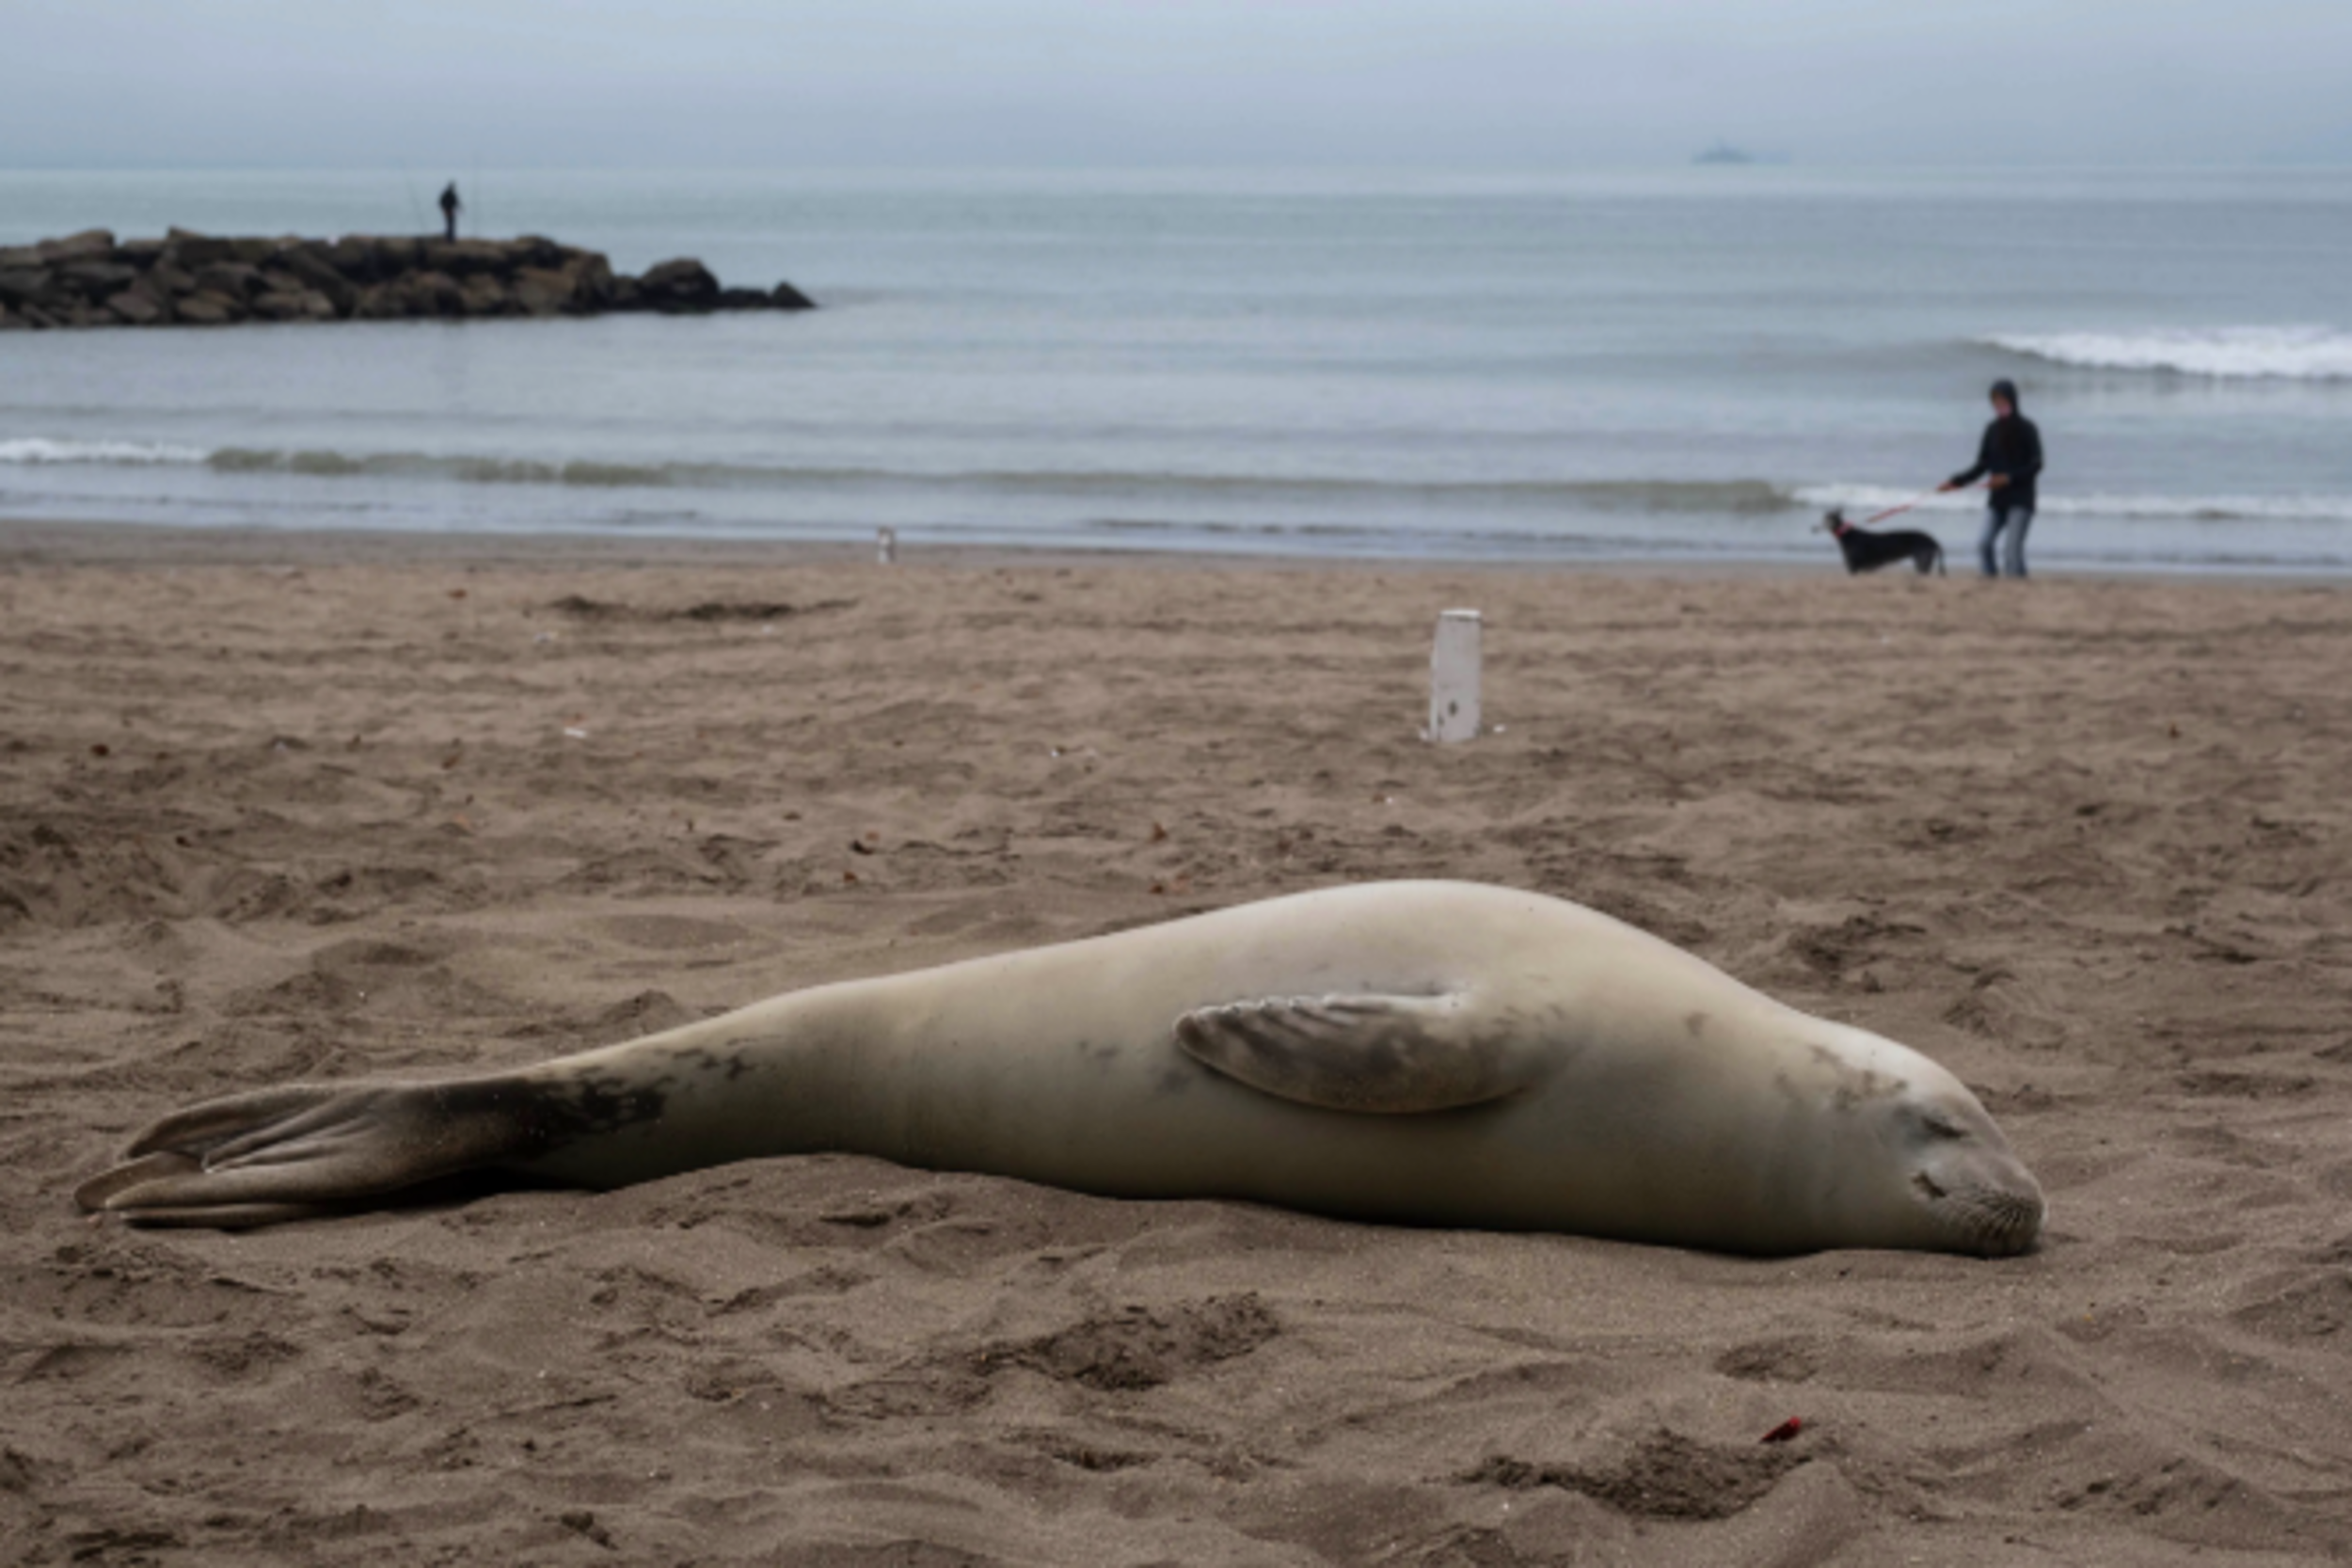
[(1434, 1054)]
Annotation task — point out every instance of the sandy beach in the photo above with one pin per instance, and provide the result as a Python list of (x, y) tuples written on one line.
[(301, 807)]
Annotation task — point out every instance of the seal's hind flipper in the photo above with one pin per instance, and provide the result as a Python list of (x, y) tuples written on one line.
[(286, 1153), (149, 1170), (135, 1172), (1392, 1054)]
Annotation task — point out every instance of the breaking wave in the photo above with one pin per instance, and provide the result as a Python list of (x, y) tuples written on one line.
[(2321, 507), (1713, 497), (1112, 499), (2232, 353), (28, 450)]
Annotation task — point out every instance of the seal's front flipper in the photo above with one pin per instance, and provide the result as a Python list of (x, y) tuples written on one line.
[(1378, 1053), (287, 1154)]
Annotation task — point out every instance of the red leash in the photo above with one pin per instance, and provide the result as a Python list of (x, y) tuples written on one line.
[(1919, 499)]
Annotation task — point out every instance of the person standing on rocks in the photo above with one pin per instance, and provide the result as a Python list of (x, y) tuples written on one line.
[(450, 205)]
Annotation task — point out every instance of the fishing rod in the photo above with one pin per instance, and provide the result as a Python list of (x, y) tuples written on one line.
[(416, 207)]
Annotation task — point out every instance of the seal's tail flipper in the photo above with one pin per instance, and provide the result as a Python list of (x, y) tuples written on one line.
[(1394, 1055), (288, 1153)]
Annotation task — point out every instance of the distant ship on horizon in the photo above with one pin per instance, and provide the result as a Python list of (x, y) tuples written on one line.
[(1723, 152)]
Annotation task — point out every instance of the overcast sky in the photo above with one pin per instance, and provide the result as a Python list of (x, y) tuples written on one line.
[(1503, 84)]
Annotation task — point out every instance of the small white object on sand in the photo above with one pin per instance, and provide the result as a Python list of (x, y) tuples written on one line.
[(1454, 678)]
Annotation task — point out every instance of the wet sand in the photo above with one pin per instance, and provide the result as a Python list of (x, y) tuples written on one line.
[(314, 808)]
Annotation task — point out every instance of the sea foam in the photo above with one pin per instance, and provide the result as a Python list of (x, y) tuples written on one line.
[(2234, 352), (1862, 500), (28, 450)]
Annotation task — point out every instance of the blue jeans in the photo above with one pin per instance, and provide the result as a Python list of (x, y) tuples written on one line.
[(2014, 522)]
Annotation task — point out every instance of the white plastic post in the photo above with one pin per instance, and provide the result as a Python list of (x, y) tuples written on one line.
[(1454, 678), (886, 546)]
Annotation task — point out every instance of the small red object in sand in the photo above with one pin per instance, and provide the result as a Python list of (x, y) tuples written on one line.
[(1787, 1430)]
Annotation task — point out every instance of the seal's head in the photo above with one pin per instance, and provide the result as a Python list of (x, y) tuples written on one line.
[(1939, 1174), (1967, 1187)]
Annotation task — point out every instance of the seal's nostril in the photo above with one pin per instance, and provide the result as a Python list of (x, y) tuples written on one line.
[(1926, 1183)]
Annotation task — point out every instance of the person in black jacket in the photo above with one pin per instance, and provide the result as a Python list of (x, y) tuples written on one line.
[(449, 205), (2007, 460)]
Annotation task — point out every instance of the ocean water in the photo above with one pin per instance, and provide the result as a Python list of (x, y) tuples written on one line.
[(1676, 364)]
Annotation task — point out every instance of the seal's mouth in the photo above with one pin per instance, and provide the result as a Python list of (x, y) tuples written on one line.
[(1988, 1220), (1980, 1197)]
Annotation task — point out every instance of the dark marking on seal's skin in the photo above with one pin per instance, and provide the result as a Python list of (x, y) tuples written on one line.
[(533, 1119), (1855, 1084), (1696, 1022), (728, 1065)]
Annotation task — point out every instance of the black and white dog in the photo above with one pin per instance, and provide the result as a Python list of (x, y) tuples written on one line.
[(1866, 551)]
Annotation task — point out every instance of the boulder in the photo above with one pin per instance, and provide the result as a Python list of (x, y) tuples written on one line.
[(786, 297), (466, 258), (196, 251), (740, 299), (484, 296), (12, 321), (354, 257), (95, 280), (534, 250), (206, 308), (255, 252), (682, 284), (307, 260), (23, 285), (592, 279), (395, 254), (91, 244), (137, 253), (21, 258), (136, 307), (432, 294), (379, 302), (293, 305), (238, 280), (170, 280), (544, 291), (320, 275)]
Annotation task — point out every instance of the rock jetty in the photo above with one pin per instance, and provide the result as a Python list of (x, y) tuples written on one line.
[(184, 279)]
